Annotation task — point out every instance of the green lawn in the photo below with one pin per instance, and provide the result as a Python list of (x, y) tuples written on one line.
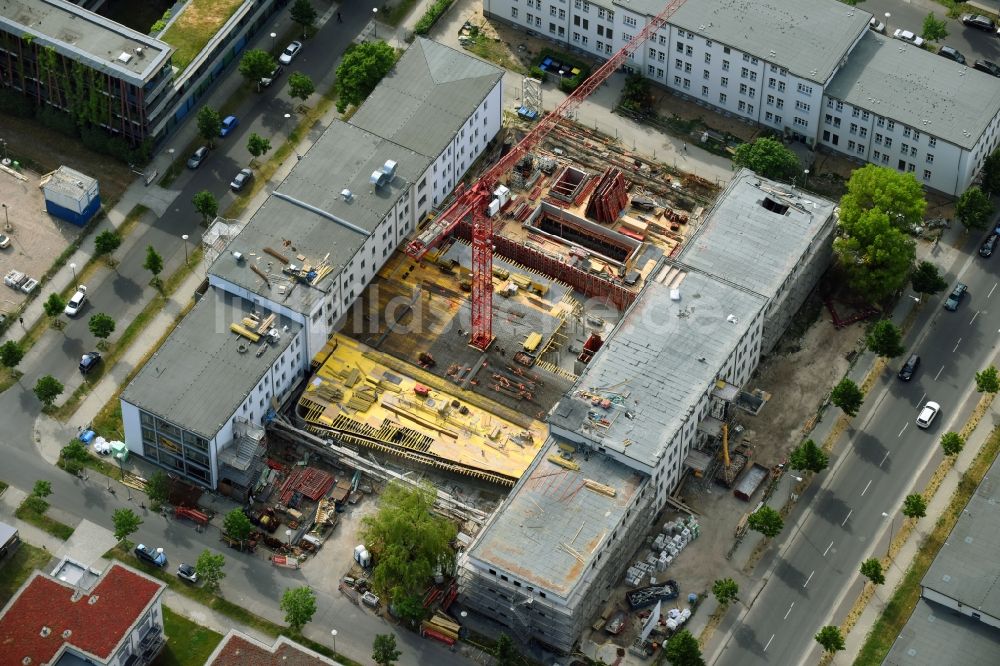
[(196, 25), (188, 644), (15, 569), (41, 521)]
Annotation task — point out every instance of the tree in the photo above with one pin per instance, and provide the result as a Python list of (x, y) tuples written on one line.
[(808, 457), (42, 489), (11, 353), (504, 651), (360, 70), (952, 443), (847, 396), (408, 542), (256, 64), (158, 489), (683, 650), (988, 380), (209, 569), (258, 145), (102, 326), (768, 158), (885, 339), (300, 86), (126, 523), (991, 173), (304, 14), (106, 242), (767, 521), (54, 306), (830, 638), (915, 506), (299, 604), (926, 279), (206, 204), (47, 389), (153, 264), (875, 254), (934, 29), (237, 525), (384, 652), (974, 208), (726, 591), (872, 570), (209, 124), (35, 504), (896, 194)]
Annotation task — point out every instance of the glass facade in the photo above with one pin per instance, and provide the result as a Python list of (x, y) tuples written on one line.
[(180, 451)]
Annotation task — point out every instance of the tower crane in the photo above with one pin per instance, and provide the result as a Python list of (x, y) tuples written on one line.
[(472, 202)]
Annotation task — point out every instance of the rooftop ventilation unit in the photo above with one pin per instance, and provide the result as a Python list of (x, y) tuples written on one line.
[(675, 294), (124, 57), (138, 51), (347, 194), (389, 168), (379, 178)]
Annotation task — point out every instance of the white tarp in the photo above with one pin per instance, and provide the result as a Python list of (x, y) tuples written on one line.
[(654, 618)]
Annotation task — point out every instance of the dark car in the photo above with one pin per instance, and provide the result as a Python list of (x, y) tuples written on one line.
[(990, 244), (241, 180), (951, 54), (955, 297), (152, 555), (979, 22), (987, 66), (911, 365), (197, 157), (89, 361), (265, 81)]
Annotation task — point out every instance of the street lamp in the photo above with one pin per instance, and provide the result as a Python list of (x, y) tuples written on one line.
[(805, 180), (185, 239), (333, 632), (6, 218), (274, 36), (73, 268), (288, 537), (374, 20), (892, 524)]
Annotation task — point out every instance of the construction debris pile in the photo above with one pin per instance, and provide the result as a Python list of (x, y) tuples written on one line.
[(665, 548)]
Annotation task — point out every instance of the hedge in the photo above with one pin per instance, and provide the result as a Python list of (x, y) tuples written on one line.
[(431, 16)]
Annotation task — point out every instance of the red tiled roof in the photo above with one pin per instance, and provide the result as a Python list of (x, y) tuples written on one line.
[(237, 649), (121, 596)]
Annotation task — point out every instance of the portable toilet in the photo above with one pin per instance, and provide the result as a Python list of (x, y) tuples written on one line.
[(71, 195)]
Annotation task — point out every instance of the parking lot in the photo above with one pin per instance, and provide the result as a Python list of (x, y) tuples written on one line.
[(909, 15)]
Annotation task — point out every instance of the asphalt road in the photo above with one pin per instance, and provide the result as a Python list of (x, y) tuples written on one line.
[(909, 15), (842, 522)]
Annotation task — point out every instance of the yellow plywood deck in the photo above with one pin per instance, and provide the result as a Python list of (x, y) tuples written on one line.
[(353, 391)]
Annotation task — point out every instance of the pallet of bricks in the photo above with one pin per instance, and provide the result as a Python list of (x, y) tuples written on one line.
[(667, 545)]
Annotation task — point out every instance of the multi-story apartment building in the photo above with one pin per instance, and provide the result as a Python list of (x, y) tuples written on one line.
[(784, 65)]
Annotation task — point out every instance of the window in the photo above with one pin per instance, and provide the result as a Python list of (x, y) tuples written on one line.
[(708, 43), (876, 155), (725, 65), (913, 151), (725, 49), (600, 45), (513, 12), (770, 100), (828, 119), (704, 91), (851, 145), (659, 73), (861, 149), (744, 72), (584, 40), (687, 83), (930, 158), (677, 80), (649, 69), (855, 112), (916, 135), (781, 86), (678, 63), (722, 98), (552, 28), (652, 52), (888, 142), (878, 138), (890, 125), (562, 14), (576, 20), (840, 106), (629, 21), (769, 117), (904, 148), (801, 122), (804, 89), (772, 82), (708, 58), (746, 57), (863, 132), (688, 51), (705, 74), (777, 118), (927, 174), (742, 105), (750, 108), (885, 158), (743, 89), (552, 10), (780, 103), (854, 128), (687, 68), (801, 106), (576, 36), (931, 142), (680, 48), (724, 81), (753, 91)]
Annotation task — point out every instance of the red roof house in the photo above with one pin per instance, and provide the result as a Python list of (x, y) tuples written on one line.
[(238, 649)]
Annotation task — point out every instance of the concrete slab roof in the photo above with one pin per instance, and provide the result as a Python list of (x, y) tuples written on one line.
[(942, 98), (82, 35), (427, 98), (809, 38), (935, 635), (307, 214), (757, 233), (658, 362), (551, 508), (966, 568), (200, 376)]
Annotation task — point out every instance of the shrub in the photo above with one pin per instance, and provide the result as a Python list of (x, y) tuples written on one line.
[(539, 73), (430, 17)]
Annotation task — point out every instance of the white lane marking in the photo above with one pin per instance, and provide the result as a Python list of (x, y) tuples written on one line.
[(939, 373), (769, 642), (827, 549), (884, 459), (788, 611), (991, 290), (904, 427), (921, 401), (809, 579), (848, 517), (974, 317), (866, 489), (956, 345)]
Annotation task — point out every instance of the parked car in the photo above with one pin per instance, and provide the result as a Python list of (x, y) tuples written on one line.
[(153, 556), (89, 361), (288, 55), (197, 157), (876, 25), (241, 180), (907, 36), (955, 297), (187, 572), (4, 241), (952, 54), (76, 302), (910, 367), (265, 81), (987, 66), (927, 414), (990, 244), (229, 123), (979, 22)]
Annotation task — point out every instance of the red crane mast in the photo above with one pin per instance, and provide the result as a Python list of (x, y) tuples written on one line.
[(474, 200)]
